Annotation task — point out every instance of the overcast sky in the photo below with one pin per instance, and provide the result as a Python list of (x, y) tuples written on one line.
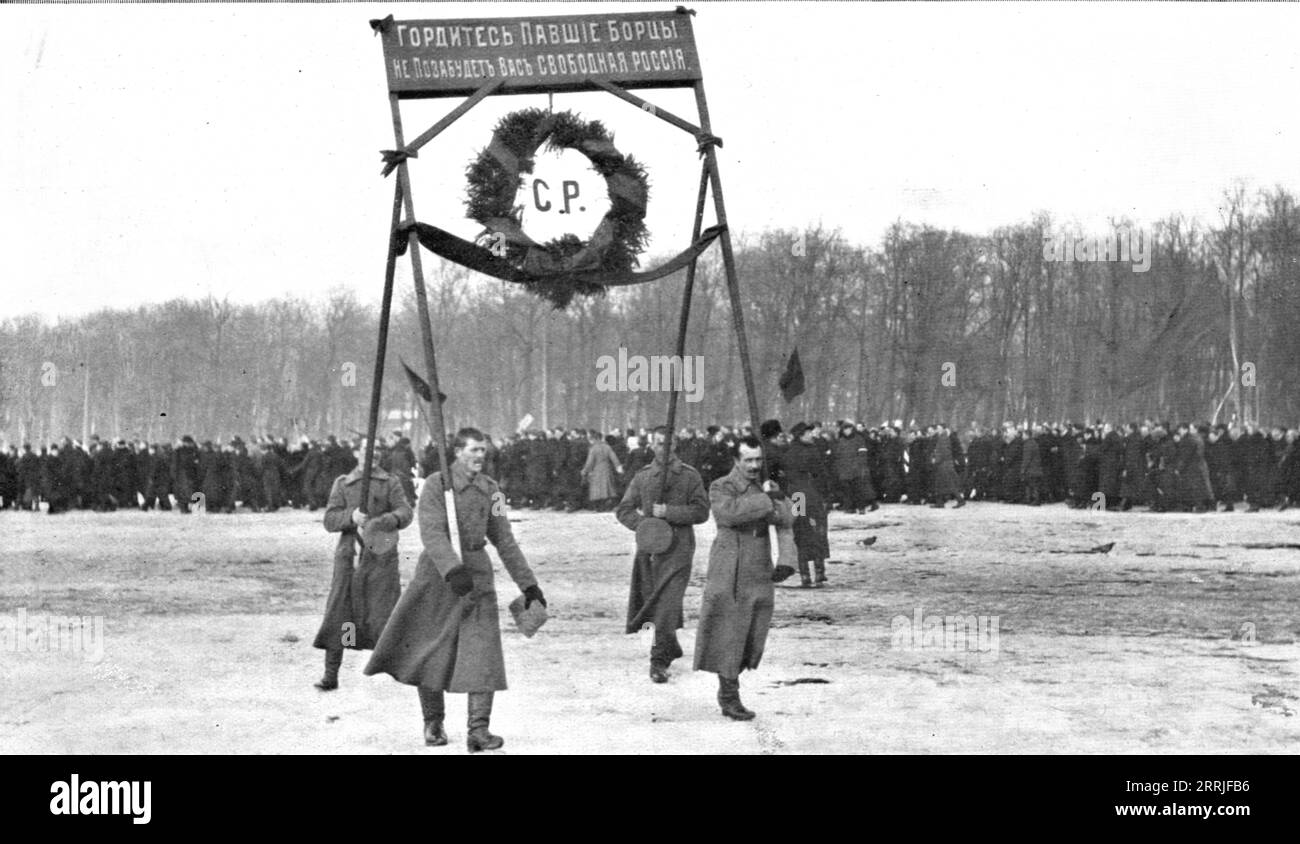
[(149, 152)]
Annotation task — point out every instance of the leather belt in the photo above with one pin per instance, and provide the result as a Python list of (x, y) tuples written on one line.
[(473, 546), (756, 529)]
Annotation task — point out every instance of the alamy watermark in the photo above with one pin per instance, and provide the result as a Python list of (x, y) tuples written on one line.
[(42, 633), (1125, 243), (978, 633), (655, 374)]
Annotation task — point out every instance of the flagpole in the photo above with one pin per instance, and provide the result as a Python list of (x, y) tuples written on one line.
[(377, 382)]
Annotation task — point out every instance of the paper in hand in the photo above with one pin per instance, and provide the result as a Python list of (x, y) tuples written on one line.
[(529, 620)]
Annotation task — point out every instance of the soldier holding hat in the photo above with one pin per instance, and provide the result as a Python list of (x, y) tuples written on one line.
[(661, 567), (361, 598)]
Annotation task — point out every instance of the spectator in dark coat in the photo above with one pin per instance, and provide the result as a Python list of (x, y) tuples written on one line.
[(214, 467), (1133, 484), (158, 486), (1013, 452), (186, 478), (29, 478), (1031, 469), (101, 479), (807, 478), (401, 458), (143, 471), (271, 469), (852, 470)]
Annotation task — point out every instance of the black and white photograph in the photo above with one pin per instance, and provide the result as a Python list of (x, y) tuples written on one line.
[(444, 379)]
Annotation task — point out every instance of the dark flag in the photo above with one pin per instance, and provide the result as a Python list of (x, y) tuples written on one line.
[(791, 382), (420, 386)]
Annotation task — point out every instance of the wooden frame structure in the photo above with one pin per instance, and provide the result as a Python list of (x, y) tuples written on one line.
[(447, 58)]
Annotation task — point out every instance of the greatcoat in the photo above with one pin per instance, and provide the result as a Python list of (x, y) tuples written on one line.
[(436, 638), (599, 472), (659, 580), (361, 599), (738, 595)]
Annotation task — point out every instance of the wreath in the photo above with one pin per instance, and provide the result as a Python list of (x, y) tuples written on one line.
[(566, 266)]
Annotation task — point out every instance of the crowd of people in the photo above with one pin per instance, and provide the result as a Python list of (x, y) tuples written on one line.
[(263, 474), (848, 465), (1160, 465)]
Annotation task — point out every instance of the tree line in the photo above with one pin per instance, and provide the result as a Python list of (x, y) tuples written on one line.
[(927, 324)]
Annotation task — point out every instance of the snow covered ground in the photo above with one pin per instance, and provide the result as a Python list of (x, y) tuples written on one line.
[(990, 629)]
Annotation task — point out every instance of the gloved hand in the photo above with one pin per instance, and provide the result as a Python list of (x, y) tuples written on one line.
[(460, 581), (533, 593), (781, 573)]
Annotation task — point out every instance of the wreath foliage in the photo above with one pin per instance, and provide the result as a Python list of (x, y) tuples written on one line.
[(565, 266)]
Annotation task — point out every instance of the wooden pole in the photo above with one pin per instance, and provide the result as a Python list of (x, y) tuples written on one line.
[(729, 265), (377, 382), (682, 324), (426, 334), (781, 539)]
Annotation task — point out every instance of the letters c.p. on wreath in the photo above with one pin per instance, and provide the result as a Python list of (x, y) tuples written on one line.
[(565, 266)]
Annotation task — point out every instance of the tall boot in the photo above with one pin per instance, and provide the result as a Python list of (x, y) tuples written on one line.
[(480, 713), (729, 699), (333, 659), (805, 577), (434, 709), (819, 566)]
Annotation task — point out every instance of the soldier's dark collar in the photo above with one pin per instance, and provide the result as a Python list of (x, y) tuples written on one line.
[(460, 479)]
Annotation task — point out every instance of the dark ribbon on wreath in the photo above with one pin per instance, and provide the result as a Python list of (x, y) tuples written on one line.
[(541, 267)]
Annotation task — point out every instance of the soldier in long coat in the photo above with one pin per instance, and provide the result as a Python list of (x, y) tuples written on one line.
[(361, 598), (738, 594), (445, 635), (599, 473), (659, 580)]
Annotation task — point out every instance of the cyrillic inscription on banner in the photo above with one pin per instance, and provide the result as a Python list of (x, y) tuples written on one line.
[(445, 58)]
